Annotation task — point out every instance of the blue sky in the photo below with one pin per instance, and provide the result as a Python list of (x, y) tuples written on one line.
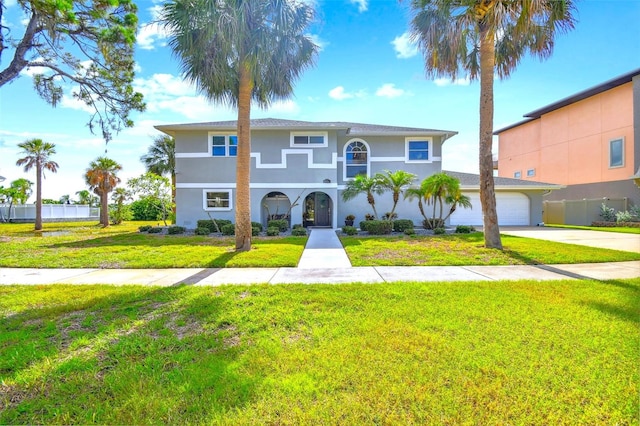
[(366, 72)]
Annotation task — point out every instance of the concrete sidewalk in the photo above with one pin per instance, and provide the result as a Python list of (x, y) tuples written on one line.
[(381, 274), (323, 250)]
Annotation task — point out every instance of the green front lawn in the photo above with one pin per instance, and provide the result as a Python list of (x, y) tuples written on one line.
[(82, 245), (619, 229), (561, 352), (468, 249)]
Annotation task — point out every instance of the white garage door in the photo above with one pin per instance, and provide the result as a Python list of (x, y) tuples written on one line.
[(513, 209)]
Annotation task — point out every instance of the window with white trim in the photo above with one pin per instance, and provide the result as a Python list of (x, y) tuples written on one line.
[(217, 199), (309, 139), (616, 152), (517, 175), (356, 159), (418, 150), (531, 172), (223, 145)]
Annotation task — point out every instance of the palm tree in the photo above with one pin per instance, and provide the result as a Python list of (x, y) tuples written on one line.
[(236, 51), (362, 184), (438, 189), (161, 160), (37, 154), (102, 179), (395, 182), (479, 37), (85, 197)]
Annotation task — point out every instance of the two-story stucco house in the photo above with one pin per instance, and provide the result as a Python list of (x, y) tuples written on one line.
[(589, 142), (300, 168)]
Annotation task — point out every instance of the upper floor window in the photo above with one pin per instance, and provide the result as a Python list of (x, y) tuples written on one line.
[(616, 153), (309, 139), (531, 172), (223, 145), (356, 159), (217, 199), (418, 150), (517, 175)]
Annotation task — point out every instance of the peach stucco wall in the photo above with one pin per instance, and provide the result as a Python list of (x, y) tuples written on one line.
[(571, 145)]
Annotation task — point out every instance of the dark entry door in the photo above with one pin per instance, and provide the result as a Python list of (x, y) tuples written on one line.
[(318, 209)]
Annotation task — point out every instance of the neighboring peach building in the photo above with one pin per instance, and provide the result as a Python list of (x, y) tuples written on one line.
[(589, 142)]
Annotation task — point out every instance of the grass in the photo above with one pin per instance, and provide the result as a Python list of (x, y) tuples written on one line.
[(619, 229), (561, 352), (82, 245), (468, 249)]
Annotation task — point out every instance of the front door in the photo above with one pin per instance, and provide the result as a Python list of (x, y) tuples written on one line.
[(317, 209)]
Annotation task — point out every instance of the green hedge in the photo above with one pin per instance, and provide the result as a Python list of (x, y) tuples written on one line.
[(349, 230), (299, 232), (379, 227), (281, 224), (144, 228), (257, 225), (465, 229), (155, 230), (174, 230), (202, 230), (208, 223), (273, 231), (229, 229), (401, 225)]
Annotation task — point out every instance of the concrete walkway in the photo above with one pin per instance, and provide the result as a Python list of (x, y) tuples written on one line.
[(334, 275), (323, 250)]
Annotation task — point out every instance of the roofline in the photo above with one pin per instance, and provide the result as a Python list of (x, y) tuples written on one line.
[(602, 87), (499, 188), (607, 85)]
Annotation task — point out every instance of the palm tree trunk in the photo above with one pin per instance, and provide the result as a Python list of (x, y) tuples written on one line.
[(243, 162), (372, 201), (104, 208), (487, 191), (38, 197)]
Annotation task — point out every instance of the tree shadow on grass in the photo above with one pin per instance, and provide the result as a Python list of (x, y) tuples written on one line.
[(123, 352)]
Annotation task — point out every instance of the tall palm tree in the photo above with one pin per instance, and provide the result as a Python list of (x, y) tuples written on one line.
[(236, 51), (161, 160), (479, 37), (101, 177), (438, 189), (37, 155), (362, 184), (396, 182)]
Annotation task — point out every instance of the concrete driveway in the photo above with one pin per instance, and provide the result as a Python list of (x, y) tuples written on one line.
[(600, 239)]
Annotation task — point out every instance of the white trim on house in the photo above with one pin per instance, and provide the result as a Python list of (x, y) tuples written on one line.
[(428, 139), (283, 162), (192, 155), (274, 185), (217, 209), (325, 136), (390, 159)]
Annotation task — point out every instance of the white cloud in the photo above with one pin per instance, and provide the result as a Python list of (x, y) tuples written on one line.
[(404, 47), (318, 41), (363, 5), (339, 94), (389, 90), (440, 82), (151, 34)]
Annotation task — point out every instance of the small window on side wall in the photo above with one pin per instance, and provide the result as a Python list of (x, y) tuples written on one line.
[(616, 153), (217, 199), (418, 150), (224, 145), (309, 139), (517, 175), (531, 172)]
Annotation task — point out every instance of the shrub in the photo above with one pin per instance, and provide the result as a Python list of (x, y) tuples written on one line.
[(255, 231), (155, 230), (299, 232), (364, 224), (173, 230), (409, 231), (635, 212), (401, 225), (439, 231), (349, 230), (623, 217), (369, 216), (296, 226), (273, 231), (144, 228), (426, 224), (465, 229), (146, 209), (257, 225), (350, 217), (208, 223), (379, 227), (228, 229), (608, 214), (281, 224), (202, 230)]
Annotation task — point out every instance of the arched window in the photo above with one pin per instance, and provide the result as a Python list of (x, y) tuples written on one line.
[(356, 159)]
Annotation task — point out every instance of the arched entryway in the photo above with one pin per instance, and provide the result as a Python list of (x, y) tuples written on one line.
[(275, 205), (318, 209)]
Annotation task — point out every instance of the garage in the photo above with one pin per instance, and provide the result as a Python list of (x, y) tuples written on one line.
[(513, 210)]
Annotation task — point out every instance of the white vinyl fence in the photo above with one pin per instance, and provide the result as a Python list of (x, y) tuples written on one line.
[(50, 212)]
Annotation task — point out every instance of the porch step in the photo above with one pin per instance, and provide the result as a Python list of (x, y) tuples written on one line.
[(323, 250)]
